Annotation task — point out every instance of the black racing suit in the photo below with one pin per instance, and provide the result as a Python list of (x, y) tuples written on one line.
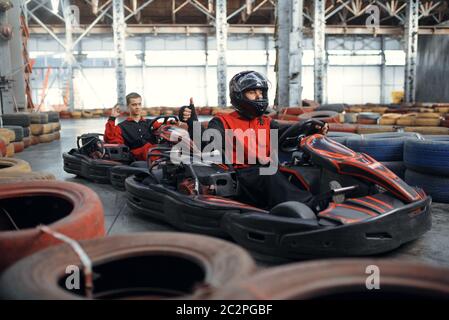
[(263, 191)]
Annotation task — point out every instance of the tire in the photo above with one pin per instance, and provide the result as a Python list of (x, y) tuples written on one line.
[(69, 208), (392, 135), (337, 107), (38, 118), (16, 119), (25, 176), (34, 140), (57, 135), (343, 127), (64, 115), (10, 150), (26, 142), (18, 132), (47, 128), (364, 129), (427, 122), (26, 132), (428, 156), (181, 266), (86, 114), (53, 116), (18, 147), (7, 135), (387, 121), (435, 186), (37, 129), (397, 167), (45, 138), (75, 114), (368, 116), (326, 116), (350, 117), (342, 137), (9, 166), (428, 130), (338, 279), (429, 115), (2, 148)]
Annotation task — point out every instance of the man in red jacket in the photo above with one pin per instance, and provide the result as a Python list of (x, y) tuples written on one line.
[(134, 131), (249, 97)]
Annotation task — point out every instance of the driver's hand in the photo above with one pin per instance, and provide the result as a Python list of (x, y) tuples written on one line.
[(115, 112), (324, 129)]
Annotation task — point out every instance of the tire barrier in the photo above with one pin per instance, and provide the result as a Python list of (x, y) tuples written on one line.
[(435, 186), (428, 130), (75, 114), (428, 156), (64, 115), (16, 119), (326, 116), (18, 146), (47, 128), (25, 177), (382, 147), (182, 266), (337, 107), (350, 117), (10, 150), (8, 166), (7, 135), (69, 208), (37, 129), (18, 133), (34, 140), (26, 142), (86, 114), (343, 127), (45, 138), (53, 116), (340, 279), (342, 137), (367, 118), (365, 128), (2, 148), (38, 118), (296, 111)]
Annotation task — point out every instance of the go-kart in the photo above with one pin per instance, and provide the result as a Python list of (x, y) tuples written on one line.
[(371, 210), (92, 159)]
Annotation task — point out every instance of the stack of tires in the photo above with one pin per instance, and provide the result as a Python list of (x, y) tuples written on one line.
[(53, 120), (387, 148), (7, 137), (44, 127), (427, 163), (19, 123), (16, 170)]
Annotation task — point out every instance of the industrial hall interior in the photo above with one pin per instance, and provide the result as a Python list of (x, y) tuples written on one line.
[(224, 150)]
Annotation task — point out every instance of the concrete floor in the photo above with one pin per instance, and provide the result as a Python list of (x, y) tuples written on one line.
[(433, 247)]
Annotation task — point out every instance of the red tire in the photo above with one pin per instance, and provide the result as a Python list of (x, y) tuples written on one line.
[(27, 142), (66, 207), (296, 111), (326, 116), (18, 146), (158, 264), (64, 115), (2, 148), (342, 279), (343, 127)]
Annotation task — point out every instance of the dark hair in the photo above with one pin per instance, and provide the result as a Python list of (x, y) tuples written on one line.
[(132, 95)]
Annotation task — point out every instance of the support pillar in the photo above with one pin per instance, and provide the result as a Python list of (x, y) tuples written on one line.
[(222, 37), (119, 29), (411, 49), (319, 45)]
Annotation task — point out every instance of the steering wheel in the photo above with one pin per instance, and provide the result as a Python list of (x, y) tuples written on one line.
[(92, 139), (158, 122), (290, 139)]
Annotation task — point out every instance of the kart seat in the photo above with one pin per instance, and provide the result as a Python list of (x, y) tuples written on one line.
[(139, 164), (293, 209)]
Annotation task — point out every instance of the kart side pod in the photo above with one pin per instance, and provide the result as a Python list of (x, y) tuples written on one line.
[(342, 160)]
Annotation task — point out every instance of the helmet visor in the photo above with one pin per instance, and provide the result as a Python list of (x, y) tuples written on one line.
[(251, 81)]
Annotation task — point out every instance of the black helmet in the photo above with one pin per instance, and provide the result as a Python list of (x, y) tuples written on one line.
[(244, 81)]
